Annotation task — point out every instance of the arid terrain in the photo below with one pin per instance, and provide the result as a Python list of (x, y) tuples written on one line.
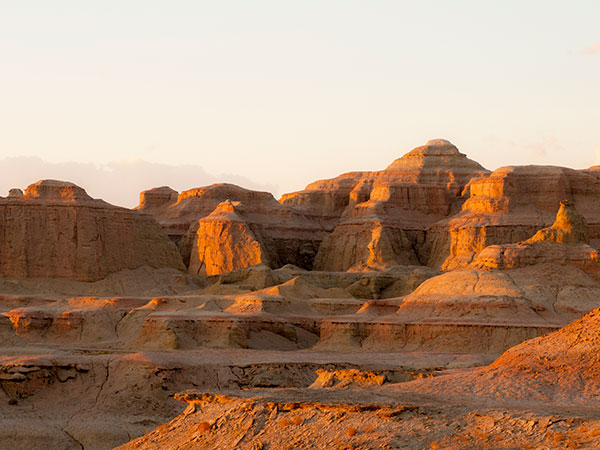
[(433, 304)]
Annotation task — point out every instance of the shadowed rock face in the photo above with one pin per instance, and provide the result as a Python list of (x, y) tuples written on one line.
[(56, 230)]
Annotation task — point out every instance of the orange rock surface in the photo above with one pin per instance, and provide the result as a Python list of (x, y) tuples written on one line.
[(385, 225), (510, 205), (286, 237), (225, 242), (56, 230)]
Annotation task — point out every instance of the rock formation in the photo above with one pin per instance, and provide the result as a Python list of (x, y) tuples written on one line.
[(566, 241), (510, 205), (176, 212), (509, 293), (385, 224), (102, 329), (559, 368), (225, 242), (285, 236), (56, 230)]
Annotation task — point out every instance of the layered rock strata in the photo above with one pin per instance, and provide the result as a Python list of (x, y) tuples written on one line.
[(508, 294), (198, 219), (56, 230), (510, 205), (387, 212)]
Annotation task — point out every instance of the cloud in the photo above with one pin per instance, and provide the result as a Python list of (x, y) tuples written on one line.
[(118, 182), (544, 146), (594, 48)]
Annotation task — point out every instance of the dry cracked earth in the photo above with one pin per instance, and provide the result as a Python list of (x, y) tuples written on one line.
[(430, 305)]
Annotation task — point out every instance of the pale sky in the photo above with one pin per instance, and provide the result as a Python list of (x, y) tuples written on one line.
[(122, 95)]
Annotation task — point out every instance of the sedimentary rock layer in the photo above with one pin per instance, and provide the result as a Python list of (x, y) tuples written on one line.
[(56, 230)]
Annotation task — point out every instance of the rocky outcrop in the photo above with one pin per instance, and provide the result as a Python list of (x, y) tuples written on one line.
[(324, 201), (285, 236), (565, 242), (570, 227), (56, 230), (176, 212), (385, 225), (225, 242), (236, 235), (559, 368), (510, 205), (368, 246), (509, 293)]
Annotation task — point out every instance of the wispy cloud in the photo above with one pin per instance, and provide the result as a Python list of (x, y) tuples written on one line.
[(594, 48), (544, 146), (118, 182)]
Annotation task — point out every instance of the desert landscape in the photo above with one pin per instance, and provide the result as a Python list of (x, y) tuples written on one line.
[(433, 304)]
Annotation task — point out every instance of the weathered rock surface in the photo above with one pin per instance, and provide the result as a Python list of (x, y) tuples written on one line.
[(56, 230), (560, 368), (510, 205), (92, 363), (566, 241), (197, 220), (508, 294), (385, 225), (225, 242), (176, 212), (369, 418)]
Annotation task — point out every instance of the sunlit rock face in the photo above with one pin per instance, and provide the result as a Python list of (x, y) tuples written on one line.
[(286, 235), (55, 229), (511, 205), (225, 242), (387, 212), (237, 235), (177, 211), (565, 242)]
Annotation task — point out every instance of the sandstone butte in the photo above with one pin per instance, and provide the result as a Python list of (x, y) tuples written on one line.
[(433, 207), (432, 304), (54, 229), (507, 294)]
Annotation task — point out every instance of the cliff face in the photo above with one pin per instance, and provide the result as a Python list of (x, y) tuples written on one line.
[(510, 205), (237, 235), (56, 230), (177, 211), (225, 242), (398, 203), (286, 234), (433, 206)]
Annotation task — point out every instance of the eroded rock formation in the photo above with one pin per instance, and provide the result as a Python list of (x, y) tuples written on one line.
[(284, 236), (510, 205), (56, 230), (385, 224)]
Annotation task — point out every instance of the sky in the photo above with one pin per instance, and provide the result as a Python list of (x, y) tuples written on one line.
[(124, 95)]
